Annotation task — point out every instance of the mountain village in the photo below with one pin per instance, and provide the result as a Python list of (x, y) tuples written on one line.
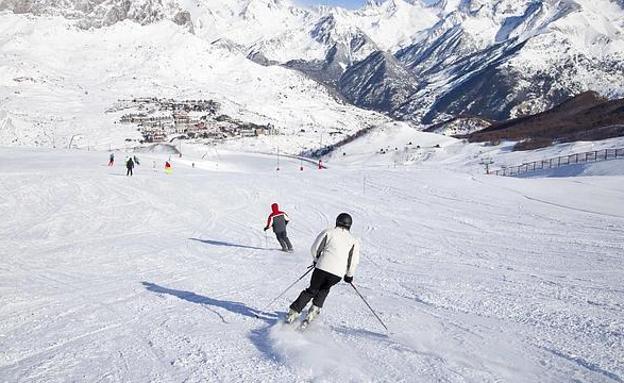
[(162, 120)]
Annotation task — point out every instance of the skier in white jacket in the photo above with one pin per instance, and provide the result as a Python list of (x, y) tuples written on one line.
[(335, 253)]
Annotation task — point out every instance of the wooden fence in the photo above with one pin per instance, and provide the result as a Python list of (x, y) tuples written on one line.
[(557, 162)]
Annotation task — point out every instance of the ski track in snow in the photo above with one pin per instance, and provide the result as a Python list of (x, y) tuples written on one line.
[(158, 278)]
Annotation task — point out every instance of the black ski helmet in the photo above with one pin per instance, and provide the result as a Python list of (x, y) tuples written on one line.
[(344, 220)]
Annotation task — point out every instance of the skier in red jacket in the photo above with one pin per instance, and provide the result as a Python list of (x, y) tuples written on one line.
[(278, 220)]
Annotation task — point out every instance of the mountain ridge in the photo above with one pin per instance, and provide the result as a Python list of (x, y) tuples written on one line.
[(587, 116), (423, 63)]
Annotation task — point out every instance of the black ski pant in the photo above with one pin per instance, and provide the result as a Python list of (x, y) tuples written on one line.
[(320, 284), (129, 172), (283, 240)]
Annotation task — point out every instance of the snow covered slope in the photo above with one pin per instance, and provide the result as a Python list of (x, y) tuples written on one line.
[(158, 278)]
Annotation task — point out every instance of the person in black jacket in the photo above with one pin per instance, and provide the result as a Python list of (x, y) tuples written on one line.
[(129, 166)]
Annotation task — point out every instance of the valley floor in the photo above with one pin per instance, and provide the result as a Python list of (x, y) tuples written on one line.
[(158, 278)]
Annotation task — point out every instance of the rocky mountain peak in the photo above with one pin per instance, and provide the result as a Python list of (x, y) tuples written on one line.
[(102, 13)]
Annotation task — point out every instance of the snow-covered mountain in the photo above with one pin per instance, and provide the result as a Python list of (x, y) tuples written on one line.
[(59, 81), (428, 63), (100, 13), (496, 59), (506, 58)]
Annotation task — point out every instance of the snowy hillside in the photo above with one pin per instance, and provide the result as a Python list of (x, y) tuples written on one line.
[(496, 59), (460, 126), (427, 63), (505, 58), (58, 81), (158, 278)]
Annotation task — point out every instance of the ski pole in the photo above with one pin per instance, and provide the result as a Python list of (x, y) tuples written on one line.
[(310, 268), (266, 240), (369, 306)]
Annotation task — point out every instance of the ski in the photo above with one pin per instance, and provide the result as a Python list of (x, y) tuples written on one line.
[(304, 325), (312, 314), (291, 317)]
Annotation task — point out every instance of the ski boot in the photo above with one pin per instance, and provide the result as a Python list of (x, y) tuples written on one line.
[(291, 316), (313, 312)]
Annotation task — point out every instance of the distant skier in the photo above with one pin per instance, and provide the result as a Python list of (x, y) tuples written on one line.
[(111, 159), (168, 168), (335, 253), (136, 160), (129, 166), (278, 220)]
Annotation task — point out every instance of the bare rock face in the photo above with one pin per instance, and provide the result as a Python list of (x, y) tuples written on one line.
[(100, 13), (378, 82)]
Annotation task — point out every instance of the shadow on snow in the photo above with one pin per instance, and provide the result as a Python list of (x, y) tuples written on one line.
[(231, 306), (260, 337), (227, 244)]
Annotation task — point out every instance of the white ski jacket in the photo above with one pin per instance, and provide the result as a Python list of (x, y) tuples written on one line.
[(336, 251)]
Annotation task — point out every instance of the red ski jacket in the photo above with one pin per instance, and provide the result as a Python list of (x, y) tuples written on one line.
[(278, 219)]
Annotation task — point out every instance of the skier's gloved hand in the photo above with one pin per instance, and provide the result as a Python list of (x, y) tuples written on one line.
[(265, 229), (348, 279)]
